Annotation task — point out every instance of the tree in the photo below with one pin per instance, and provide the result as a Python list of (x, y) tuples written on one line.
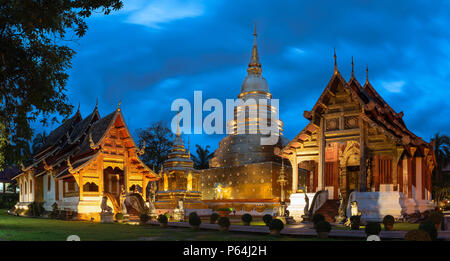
[(38, 141), (201, 161), (33, 63), (441, 146), (158, 141)]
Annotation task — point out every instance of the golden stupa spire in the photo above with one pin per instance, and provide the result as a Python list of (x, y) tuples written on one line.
[(254, 67), (178, 123)]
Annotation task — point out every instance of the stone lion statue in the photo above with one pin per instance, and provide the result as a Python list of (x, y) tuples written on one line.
[(104, 205)]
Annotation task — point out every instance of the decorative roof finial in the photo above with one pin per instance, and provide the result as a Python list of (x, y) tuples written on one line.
[(254, 67), (367, 73), (353, 70), (96, 103), (141, 151), (335, 62), (69, 165), (118, 106), (78, 109)]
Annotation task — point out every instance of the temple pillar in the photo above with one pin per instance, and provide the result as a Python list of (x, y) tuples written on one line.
[(376, 173), (395, 160), (294, 165), (405, 176), (362, 161), (424, 177), (20, 190), (409, 175), (320, 182), (80, 178), (418, 173)]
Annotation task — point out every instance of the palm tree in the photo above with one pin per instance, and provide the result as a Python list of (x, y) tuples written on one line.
[(441, 144), (38, 141), (201, 161)]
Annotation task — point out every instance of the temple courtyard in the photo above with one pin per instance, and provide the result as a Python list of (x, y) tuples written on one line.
[(40, 229)]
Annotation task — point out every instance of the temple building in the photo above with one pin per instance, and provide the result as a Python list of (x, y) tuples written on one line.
[(244, 171), (7, 184), (355, 142), (81, 162), (179, 182)]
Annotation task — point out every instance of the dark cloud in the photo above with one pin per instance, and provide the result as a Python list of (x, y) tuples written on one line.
[(148, 67)]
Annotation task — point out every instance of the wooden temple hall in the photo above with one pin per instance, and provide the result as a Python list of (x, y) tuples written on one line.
[(82, 161), (356, 142)]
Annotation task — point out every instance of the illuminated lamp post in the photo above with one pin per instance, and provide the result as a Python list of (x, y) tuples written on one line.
[(282, 180)]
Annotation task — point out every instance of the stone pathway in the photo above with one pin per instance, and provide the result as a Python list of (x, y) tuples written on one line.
[(305, 230)]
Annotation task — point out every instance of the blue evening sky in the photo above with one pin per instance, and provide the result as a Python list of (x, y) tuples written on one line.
[(153, 52)]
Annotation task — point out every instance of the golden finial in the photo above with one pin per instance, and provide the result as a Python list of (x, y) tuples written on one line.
[(367, 73), (254, 67), (335, 62), (69, 165), (353, 70), (96, 103), (46, 166), (118, 105), (142, 150), (92, 143)]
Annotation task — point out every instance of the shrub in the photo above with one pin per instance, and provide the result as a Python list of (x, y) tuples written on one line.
[(225, 209), (429, 227), (144, 218), (318, 218), (246, 218), (276, 224), (8, 200), (224, 222), (267, 218), (55, 212), (213, 218), (355, 222), (162, 219), (373, 228), (194, 219), (435, 217), (388, 222), (119, 216), (36, 209), (323, 226), (417, 235)]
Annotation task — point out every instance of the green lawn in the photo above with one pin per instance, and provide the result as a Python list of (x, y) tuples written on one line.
[(23, 228), (397, 227)]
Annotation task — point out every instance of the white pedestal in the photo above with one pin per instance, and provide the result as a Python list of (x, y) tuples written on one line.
[(297, 206), (374, 206)]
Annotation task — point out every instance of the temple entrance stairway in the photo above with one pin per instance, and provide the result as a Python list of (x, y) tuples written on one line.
[(329, 210)]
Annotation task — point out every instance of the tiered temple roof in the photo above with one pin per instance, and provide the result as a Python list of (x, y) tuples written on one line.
[(75, 143), (375, 109)]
